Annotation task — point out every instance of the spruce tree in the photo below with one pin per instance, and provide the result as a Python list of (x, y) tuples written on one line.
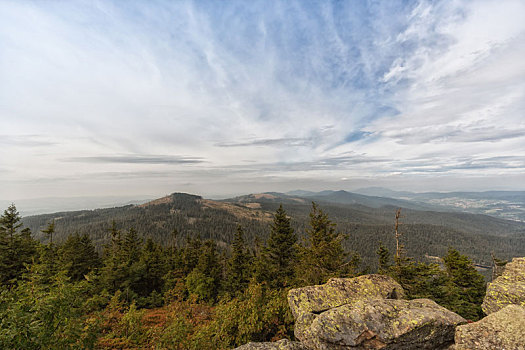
[(49, 231), (280, 256), (115, 269), (238, 273), (204, 280), (17, 248), (383, 255), (465, 287), (78, 257), (48, 265), (152, 269), (323, 256), (10, 221)]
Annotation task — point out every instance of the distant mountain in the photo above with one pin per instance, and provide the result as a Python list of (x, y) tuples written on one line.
[(383, 192), (372, 201), (425, 232), (503, 204)]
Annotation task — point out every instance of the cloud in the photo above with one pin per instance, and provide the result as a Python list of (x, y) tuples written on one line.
[(291, 142), (450, 134), (289, 89), (138, 159), (26, 141)]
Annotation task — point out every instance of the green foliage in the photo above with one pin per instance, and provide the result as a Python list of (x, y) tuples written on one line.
[(78, 257), (49, 316), (277, 262), (204, 280), (323, 256), (17, 248), (261, 314), (383, 255), (10, 221), (49, 231), (457, 286), (465, 286), (238, 270)]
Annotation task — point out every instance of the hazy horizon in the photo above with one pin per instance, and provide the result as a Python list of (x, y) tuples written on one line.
[(46, 205), (146, 98)]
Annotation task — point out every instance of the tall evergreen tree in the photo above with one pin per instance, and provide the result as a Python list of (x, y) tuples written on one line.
[(114, 271), (49, 231), (278, 261), (48, 265), (323, 256), (238, 272), (17, 248), (78, 257), (152, 269), (204, 280), (465, 287), (10, 221), (383, 255)]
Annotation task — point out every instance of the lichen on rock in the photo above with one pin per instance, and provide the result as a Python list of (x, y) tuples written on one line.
[(507, 289), (284, 344), (504, 329), (384, 324), (308, 302), (342, 291)]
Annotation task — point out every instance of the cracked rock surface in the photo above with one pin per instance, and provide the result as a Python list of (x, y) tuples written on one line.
[(507, 289)]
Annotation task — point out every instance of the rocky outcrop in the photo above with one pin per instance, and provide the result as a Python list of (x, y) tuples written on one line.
[(384, 324), (342, 291), (308, 302), (279, 345), (367, 312), (504, 329), (507, 289)]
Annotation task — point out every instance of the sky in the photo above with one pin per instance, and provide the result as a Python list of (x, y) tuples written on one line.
[(218, 98)]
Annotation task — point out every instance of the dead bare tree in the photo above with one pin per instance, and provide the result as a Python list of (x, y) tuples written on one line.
[(398, 235)]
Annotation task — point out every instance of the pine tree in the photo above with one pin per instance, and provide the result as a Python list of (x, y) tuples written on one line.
[(323, 256), (238, 273), (280, 256), (10, 221), (131, 247), (383, 255), (17, 249), (49, 231), (152, 269), (115, 269), (204, 280), (466, 286), (78, 257)]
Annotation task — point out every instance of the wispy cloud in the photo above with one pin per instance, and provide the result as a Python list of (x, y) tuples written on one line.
[(138, 159), (291, 142), (26, 141), (288, 89)]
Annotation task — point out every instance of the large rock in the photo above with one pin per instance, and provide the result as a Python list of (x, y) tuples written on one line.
[(507, 289), (384, 324), (279, 345), (504, 329), (308, 302), (342, 291)]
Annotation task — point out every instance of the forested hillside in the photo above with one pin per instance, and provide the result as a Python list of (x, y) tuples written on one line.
[(425, 232), (192, 293)]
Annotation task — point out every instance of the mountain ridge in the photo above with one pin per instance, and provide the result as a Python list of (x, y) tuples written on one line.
[(425, 232)]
